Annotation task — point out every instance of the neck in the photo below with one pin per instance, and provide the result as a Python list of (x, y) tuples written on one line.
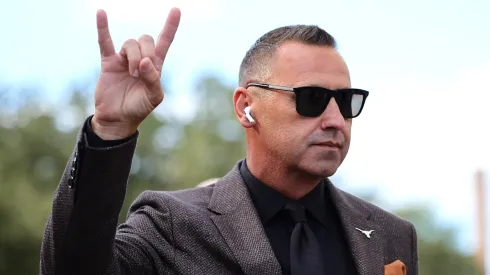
[(292, 184)]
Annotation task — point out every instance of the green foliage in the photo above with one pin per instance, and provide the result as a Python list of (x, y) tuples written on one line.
[(35, 143)]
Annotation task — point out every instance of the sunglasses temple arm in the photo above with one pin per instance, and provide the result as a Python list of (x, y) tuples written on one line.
[(277, 87)]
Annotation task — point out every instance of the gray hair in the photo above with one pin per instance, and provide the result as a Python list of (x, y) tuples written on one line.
[(255, 63)]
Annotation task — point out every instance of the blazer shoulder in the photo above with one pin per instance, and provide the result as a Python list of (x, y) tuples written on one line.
[(400, 235), (378, 214)]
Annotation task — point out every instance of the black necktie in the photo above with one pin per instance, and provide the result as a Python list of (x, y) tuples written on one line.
[(305, 254)]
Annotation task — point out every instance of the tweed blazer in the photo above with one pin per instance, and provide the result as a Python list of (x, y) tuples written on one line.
[(213, 229)]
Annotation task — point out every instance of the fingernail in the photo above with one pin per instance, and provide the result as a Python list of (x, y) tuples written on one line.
[(136, 73)]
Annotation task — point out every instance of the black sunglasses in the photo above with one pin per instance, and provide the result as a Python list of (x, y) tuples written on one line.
[(311, 101)]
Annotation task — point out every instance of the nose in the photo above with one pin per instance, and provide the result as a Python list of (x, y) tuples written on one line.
[(331, 117)]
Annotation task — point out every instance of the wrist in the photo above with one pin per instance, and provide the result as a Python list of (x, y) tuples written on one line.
[(112, 130)]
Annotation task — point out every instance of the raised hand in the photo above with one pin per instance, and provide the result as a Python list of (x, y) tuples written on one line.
[(129, 87)]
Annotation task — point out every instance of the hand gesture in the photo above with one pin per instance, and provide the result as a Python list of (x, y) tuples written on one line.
[(129, 86)]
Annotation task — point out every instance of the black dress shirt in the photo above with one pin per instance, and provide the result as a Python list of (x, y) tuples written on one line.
[(321, 217)]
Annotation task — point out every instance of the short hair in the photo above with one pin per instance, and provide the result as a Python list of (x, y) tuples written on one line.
[(255, 63)]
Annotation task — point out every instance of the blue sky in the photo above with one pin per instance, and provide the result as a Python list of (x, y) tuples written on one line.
[(424, 130)]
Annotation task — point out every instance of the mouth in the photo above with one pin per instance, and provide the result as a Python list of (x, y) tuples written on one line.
[(329, 144)]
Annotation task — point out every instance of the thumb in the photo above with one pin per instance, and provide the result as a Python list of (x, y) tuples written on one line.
[(151, 77)]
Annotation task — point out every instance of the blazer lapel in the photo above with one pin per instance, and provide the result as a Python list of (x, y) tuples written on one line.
[(367, 250), (239, 224)]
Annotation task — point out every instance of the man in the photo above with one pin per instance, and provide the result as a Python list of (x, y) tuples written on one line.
[(275, 212)]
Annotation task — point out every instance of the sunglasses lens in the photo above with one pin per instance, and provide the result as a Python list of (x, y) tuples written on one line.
[(356, 104), (311, 101), (350, 102)]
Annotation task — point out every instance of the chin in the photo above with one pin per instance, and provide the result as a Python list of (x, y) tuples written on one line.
[(321, 169), (326, 172)]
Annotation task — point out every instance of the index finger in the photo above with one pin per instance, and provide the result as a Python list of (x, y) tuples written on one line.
[(167, 36), (105, 41)]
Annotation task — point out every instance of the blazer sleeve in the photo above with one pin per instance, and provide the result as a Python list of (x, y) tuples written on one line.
[(81, 235)]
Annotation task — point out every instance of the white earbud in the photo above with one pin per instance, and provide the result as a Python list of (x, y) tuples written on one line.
[(247, 114)]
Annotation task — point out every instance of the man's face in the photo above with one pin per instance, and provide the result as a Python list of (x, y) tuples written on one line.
[(294, 139)]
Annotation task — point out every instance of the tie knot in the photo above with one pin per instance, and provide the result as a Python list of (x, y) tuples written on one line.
[(297, 211)]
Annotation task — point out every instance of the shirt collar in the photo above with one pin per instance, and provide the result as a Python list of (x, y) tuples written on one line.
[(269, 202), (316, 202)]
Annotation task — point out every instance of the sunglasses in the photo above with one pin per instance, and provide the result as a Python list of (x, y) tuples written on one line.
[(311, 101)]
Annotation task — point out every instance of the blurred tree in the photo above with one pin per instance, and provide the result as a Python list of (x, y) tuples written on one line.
[(35, 142)]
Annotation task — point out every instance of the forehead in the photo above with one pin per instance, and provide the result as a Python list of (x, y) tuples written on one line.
[(297, 64)]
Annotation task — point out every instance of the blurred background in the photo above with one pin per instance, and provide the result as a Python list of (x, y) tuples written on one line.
[(420, 148)]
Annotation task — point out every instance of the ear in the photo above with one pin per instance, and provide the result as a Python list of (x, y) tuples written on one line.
[(242, 98)]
